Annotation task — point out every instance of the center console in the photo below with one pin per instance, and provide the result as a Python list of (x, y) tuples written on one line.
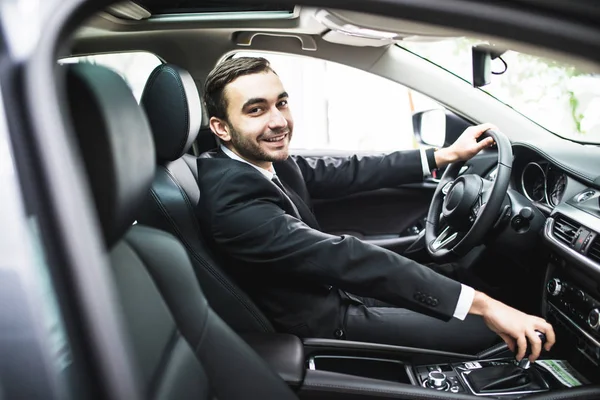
[(337, 369)]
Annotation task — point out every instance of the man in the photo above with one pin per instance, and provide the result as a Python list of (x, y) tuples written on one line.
[(255, 208)]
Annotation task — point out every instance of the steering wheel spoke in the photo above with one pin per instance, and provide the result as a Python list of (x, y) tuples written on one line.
[(476, 208), (447, 237), (446, 187)]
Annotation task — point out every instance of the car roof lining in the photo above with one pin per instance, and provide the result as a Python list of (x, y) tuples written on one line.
[(107, 33)]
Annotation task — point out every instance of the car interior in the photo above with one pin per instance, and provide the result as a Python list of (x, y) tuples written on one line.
[(532, 239)]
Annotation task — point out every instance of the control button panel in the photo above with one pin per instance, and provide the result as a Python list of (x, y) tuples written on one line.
[(439, 377), (554, 287), (575, 303), (594, 319)]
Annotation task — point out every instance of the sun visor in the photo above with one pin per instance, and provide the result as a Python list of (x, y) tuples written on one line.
[(357, 29)]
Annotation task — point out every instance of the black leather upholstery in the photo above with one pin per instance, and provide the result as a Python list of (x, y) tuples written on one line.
[(172, 104), (169, 98), (182, 348), (283, 352), (118, 183)]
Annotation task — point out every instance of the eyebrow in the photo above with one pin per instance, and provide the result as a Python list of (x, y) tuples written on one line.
[(258, 100)]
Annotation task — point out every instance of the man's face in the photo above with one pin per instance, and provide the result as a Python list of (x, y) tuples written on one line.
[(260, 122)]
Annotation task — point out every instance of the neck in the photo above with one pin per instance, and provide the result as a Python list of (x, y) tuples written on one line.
[(266, 165)]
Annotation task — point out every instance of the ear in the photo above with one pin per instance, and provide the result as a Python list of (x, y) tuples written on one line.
[(220, 128)]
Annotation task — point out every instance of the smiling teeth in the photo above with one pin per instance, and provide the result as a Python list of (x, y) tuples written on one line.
[(275, 139)]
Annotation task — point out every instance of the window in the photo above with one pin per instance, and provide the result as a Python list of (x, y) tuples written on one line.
[(336, 107), (560, 97), (135, 67)]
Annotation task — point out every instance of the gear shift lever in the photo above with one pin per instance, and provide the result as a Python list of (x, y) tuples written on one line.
[(524, 363), (507, 377)]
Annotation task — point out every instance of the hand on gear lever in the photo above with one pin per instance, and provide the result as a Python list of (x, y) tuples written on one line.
[(524, 363)]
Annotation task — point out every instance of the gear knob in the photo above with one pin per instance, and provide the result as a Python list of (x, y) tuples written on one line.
[(524, 362)]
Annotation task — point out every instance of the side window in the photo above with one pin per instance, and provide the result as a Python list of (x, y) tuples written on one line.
[(336, 107), (135, 67)]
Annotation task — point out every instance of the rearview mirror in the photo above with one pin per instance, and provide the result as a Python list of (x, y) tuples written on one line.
[(482, 57), (430, 127)]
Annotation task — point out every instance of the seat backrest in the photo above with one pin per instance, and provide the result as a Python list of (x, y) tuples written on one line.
[(172, 104), (182, 348)]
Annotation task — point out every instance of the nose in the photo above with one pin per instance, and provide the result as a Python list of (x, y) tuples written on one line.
[(277, 120)]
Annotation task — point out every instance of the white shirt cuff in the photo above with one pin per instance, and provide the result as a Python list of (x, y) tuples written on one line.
[(465, 300), (425, 164)]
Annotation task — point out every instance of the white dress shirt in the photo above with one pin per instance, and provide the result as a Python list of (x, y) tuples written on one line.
[(467, 293)]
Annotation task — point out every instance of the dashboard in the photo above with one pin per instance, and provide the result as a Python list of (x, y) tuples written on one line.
[(570, 200)]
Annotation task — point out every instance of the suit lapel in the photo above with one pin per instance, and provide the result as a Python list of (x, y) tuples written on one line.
[(295, 201), (305, 214)]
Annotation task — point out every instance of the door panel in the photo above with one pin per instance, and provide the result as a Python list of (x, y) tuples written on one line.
[(390, 218)]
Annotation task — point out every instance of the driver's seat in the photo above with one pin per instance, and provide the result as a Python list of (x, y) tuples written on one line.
[(172, 104)]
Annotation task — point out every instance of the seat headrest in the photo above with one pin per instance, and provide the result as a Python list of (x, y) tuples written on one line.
[(115, 142), (173, 107)]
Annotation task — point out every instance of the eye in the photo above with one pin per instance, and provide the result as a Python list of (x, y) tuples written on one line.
[(282, 103), (255, 110)]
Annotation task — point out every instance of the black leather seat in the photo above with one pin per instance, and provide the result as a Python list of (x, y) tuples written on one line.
[(173, 107), (182, 348)]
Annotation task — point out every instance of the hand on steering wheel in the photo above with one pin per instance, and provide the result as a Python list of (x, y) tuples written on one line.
[(469, 205)]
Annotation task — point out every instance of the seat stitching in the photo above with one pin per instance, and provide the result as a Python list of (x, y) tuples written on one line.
[(167, 353), (137, 254), (203, 334), (168, 350)]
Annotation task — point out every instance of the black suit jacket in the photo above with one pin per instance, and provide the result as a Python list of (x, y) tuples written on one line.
[(274, 250)]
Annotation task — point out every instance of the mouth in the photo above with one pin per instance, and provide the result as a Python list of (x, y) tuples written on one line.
[(277, 139)]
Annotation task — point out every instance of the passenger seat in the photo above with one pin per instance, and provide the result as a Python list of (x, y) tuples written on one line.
[(172, 104), (182, 348)]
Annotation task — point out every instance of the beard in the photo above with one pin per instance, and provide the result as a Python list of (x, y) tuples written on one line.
[(251, 150)]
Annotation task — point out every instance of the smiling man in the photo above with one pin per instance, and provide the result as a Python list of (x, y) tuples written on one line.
[(255, 209)]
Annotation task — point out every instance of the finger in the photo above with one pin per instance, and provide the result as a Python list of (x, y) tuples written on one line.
[(522, 346), (536, 345), (487, 142), (510, 342), (479, 129), (550, 335)]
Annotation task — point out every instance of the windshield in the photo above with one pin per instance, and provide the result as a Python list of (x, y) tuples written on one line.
[(555, 95)]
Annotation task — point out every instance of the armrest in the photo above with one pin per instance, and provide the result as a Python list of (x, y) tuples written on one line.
[(411, 355), (283, 353)]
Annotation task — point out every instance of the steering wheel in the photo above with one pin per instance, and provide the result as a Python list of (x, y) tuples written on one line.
[(465, 207)]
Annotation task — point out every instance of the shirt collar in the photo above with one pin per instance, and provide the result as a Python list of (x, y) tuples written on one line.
[(268, 174)]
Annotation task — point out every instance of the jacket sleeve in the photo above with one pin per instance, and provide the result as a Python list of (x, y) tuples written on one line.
[(328, 177), (248, 224)]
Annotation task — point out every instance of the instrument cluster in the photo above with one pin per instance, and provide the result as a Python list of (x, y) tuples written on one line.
[(542, 182)]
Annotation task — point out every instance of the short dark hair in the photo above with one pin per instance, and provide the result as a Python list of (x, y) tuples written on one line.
[(225, 73)]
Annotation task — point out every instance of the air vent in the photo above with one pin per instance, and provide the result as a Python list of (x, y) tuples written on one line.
[(565, 230), (594, 250)]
